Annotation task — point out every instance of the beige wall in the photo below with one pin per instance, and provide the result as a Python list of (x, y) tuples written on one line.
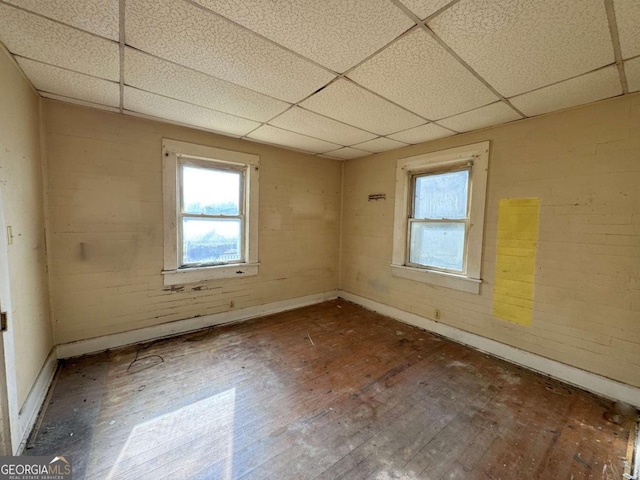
[(584, 165), (21, 185), (105, 207)]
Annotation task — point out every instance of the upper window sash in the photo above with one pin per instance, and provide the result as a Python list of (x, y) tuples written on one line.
[(466, 166), (216, 166)]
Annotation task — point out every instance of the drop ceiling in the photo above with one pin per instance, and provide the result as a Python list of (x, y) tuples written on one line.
[(337, 78)]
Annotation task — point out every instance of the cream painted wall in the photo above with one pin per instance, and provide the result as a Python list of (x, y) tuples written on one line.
[(584, 165), (105, 208), (22, 194)]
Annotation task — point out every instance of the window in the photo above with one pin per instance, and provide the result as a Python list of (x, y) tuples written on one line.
[(439, 217), (211, 214), (439, 220), (210, 205)]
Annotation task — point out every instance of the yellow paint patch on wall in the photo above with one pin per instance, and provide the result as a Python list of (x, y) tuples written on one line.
[(516, 259)]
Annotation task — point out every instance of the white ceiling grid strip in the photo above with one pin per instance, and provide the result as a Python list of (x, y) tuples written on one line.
[(521, 45), (594, 86), (163, 107), (420, 75), (627, 14), (347, 153), (380, 144), (482, 117), (423, 26), (84, 103), (67, 83), (424, 8), (334, 78), (191, 36), (615, 41), (423, 133), (278, 136), (349, 103), (95, 16), (632, 67), (48, 41), (121, 47), (150, 73), (333, 33), (312, 124)]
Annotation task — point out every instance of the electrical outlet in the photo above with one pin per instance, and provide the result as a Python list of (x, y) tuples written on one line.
[(437, 314)]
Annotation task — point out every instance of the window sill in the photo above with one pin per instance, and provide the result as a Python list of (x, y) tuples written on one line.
[(199, 274), (442, 279)]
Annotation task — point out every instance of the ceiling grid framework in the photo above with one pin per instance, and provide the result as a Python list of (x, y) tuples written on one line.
[(335, 79)]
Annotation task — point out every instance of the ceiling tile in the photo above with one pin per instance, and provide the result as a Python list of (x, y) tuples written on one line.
[(419, 74), (96, 16), (159, 76), (628, 19), (518, 46), (632, 69), (269, 134), (334, 33), (193, 37), (423, 133), (423, 8), (380, 144), (482, 117), (347, 153), (75, 101), (31, 36), (308, 123), (594, 86), (169, 109), (349, 103), (48, 78)]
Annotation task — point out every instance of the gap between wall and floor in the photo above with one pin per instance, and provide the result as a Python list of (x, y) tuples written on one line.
[(591, 382)]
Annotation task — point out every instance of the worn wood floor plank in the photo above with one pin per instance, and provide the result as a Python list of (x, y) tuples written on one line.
[(370, 398)]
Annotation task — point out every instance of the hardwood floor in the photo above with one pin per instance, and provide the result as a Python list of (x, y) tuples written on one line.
[(329, 391)]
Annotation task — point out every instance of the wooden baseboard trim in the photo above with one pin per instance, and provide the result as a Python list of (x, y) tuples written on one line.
[(28, 414), (589, 381), (99, 344)]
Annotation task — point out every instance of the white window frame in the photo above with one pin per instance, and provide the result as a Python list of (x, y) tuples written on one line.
[(477, 155), (172, 152)]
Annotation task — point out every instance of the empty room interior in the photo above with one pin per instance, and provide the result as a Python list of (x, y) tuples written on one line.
[(385, 239)]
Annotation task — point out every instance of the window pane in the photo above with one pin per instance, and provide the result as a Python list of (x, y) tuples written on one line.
[(208, 240), (443, 195), (210, 191), (439, 245)]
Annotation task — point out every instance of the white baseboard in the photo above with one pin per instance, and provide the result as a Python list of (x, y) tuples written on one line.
[(99, 344), (31, 408), (592, 382)]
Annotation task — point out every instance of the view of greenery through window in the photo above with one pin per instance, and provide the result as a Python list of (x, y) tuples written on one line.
[(212, 224), (437, 229)]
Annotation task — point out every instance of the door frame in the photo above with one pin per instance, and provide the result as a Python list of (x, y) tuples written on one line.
[(9, 408)]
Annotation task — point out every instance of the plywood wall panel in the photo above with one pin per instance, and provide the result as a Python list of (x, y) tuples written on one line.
[(21, 188), (105, 207), (584, 165)]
